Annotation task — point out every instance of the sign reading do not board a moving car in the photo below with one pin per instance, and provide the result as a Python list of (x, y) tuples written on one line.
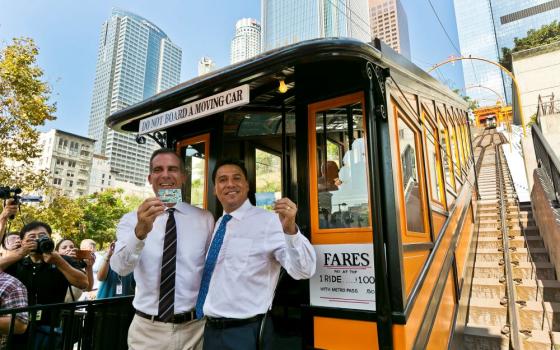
[(207, 106), (344, 278)]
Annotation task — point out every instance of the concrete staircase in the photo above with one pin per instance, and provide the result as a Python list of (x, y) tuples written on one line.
[(535, 289)]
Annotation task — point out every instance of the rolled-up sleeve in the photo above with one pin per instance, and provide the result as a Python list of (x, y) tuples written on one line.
[(294, 252), (128, 247)]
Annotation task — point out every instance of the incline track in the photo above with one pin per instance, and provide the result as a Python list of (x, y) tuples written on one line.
[(514, 298)]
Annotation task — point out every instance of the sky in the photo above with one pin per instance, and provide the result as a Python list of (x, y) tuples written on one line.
[(67, 34)]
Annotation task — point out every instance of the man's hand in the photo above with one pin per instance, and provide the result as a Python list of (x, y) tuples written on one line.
[(9, 209), (287, 210), (147, 213), (28, 245), (52, 257)]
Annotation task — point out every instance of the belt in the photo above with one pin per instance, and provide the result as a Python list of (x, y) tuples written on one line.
[(177, 318), (220, 322)]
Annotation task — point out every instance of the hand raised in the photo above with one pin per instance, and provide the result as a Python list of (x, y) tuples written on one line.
[(147, 213), (287, 211)]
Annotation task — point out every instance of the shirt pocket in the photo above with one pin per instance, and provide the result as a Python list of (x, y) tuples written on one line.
[(237, 254)]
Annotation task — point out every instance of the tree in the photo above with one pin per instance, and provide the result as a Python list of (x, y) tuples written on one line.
[(102, 212), (547, 34), (24, 105), (473, 104)]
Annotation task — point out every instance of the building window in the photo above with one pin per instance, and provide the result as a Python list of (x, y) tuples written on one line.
[(72, 163), (57, 181), (70, 183)]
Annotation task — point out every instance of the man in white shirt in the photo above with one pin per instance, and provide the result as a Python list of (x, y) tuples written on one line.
[(165, 246), (248, 249)]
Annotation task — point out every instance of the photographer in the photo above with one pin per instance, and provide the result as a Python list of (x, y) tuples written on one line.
[(10, 209), (67, 247), (46, 274)]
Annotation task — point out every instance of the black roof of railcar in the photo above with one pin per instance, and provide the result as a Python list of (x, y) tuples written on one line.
[(263, 71)]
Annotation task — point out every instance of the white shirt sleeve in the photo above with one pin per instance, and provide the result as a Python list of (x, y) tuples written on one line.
[(128, 247), (294, 252)]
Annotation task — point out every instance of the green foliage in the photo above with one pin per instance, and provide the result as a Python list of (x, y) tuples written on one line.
[(547, 34), (473, 104), (24, 105), (532, 120), (95, 216)]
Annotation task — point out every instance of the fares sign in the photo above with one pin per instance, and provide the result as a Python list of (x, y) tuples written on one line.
[(345, 277), (198, 109)]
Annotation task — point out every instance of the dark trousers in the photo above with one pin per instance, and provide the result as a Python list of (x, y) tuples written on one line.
[(243, 337)]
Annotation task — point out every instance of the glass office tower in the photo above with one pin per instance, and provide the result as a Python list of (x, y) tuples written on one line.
[(135, 60), (285, 22), (485, 27)]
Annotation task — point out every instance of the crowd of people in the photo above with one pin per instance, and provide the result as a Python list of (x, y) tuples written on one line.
[(33, 270), (197, 283)]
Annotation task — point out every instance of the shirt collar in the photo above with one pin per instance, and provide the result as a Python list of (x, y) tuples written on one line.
[(181, 207), (240, 212)]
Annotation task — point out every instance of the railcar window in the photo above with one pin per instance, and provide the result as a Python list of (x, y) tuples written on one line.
[(454, 150), (268, 171), (410, 177), (447, 161), (194, 154), (434, 165), (342, 191)]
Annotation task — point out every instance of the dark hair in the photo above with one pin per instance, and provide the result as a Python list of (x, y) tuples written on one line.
[(13, 233), (229, 161), (159, 151), (62, 240), (33, 225)]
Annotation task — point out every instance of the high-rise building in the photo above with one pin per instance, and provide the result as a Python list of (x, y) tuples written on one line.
[(487, 26), (205, 65), (389, 23), (68, 158), (289, 21), (247, 40), (135, 60)]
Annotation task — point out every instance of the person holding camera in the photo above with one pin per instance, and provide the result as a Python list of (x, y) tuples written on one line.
[(9, 211), (83, 259), (45, 273)]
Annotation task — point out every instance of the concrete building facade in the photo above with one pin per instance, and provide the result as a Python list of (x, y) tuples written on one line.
[(389, 23), (247, 40), (68, 159), (205, 65), (537, 71)]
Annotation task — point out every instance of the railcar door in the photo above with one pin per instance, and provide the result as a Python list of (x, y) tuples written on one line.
[(344, 285)]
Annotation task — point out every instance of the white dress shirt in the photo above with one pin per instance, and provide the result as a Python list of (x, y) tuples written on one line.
[(248, 266), (194, 231)]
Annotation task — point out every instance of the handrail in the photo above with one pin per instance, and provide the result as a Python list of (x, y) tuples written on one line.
[(95, 324), (547, 159), (510, 290)]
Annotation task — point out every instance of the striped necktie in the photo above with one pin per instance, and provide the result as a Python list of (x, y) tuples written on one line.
[(167, 284), (211, 258)]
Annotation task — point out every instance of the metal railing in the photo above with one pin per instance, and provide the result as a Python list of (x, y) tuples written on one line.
[(95, 324), (547, 160), (547, 105)]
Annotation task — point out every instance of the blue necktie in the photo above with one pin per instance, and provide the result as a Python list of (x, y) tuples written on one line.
[(213, 253)]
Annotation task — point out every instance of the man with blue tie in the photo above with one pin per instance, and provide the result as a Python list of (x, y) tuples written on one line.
[(248, 249), (164, 245)]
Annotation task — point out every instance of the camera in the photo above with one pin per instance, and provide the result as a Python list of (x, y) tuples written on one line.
[(44, 245), (7, 193)]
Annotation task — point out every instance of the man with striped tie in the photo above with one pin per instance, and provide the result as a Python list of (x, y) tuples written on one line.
[(248, 249), (164, 245)]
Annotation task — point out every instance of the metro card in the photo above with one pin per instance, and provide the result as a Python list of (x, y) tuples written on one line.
[(170, 195)]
